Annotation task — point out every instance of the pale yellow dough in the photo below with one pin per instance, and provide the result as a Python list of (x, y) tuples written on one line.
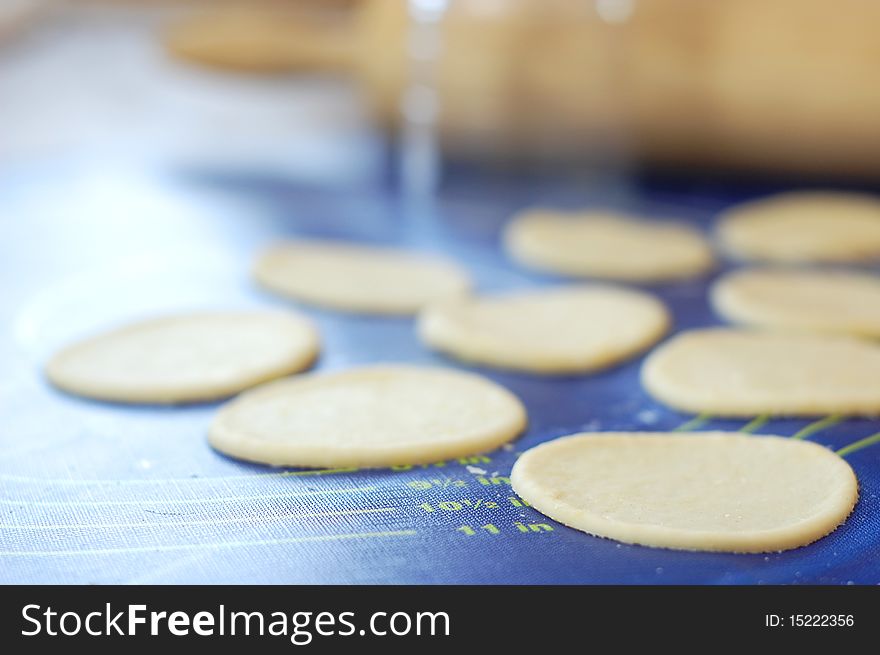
[(803, 300), (361, 279), (558, 330), (711, 491), (186, 358), (735, 372), (605, 245), (803, 227), (263, 41), (371, 416)]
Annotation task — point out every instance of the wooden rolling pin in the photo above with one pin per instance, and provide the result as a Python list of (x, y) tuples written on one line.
[(787, 85), (783, 85)]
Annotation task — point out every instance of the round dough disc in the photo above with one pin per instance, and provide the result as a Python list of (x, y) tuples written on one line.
[(264, 41), (701, 491), (803, 227), (732, 372), (806, 300), (607, 246), (186, 358), (357, 278), (372, 416), (561, 330)]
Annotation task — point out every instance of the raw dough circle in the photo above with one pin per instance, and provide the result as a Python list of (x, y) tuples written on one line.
[(259, 41), (731, 372), (607, 246), (805, 300), (803, 227), (558, 330), (186, 358), (711, 491), (360, 279), (372, 416)]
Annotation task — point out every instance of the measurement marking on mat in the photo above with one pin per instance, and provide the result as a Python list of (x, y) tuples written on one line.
[(442, 483), (205, 546), (859, 445), (818, 426), (516, 526), (164, 524), (466, 503), (493, 480), (755, 424), (464, 461), (186, 501), (694, 423)]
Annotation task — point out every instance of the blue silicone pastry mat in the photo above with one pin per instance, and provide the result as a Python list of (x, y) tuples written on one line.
[(101, 493)]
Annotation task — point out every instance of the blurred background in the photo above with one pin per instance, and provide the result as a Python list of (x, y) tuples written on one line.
[(405, 93), (150, 148)]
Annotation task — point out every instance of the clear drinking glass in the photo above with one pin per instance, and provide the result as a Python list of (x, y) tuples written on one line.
[(513, 89)]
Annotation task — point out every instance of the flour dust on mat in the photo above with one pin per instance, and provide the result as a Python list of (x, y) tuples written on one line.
[(737, 372), (803, 227), (710, 491), (556, 330), (357, 278), (801, 300), (370, 417), (186, 358), (605, 245)]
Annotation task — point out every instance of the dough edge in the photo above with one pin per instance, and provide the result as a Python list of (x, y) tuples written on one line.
[(181, 394), (767, 541), (727, 301), (741, 246), (516, 242), (240, 446), (437, 332), (263, 272), (671, 395)]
